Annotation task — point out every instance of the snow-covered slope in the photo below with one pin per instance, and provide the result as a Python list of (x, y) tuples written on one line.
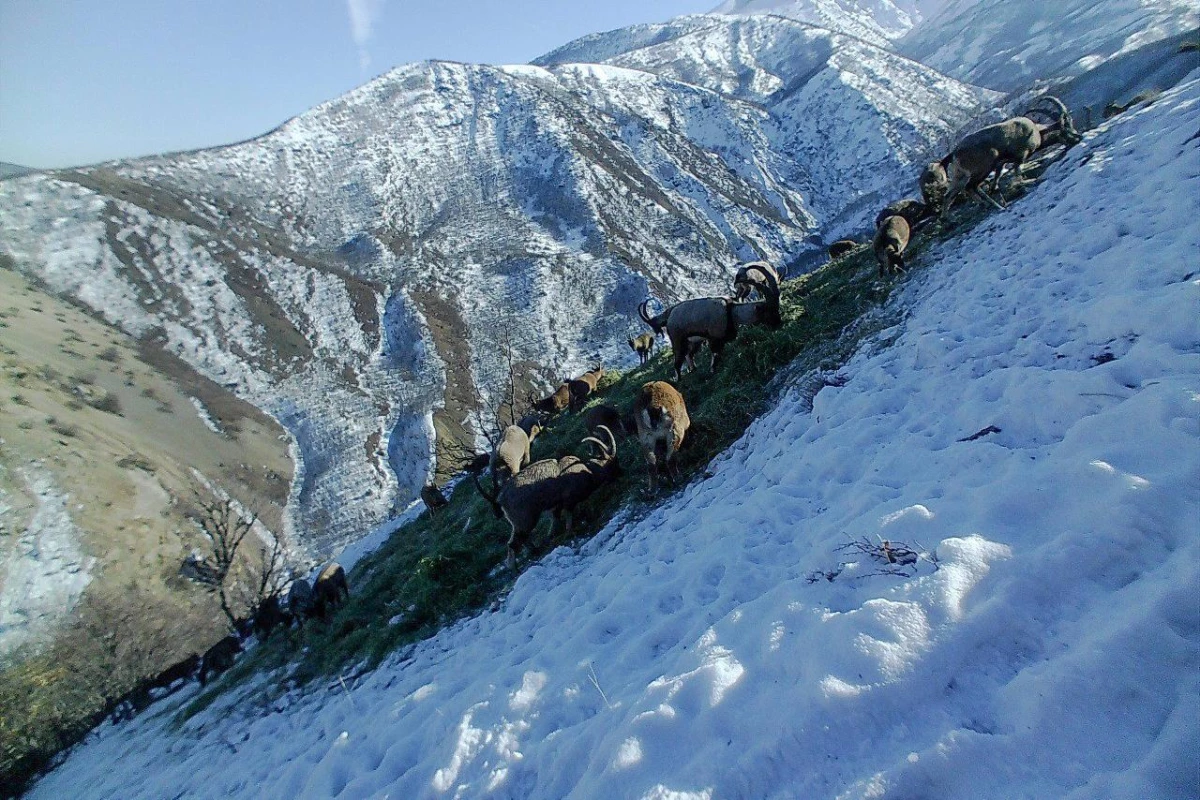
[(349, 271), (697, 653), (1006, 44), (875, 21)]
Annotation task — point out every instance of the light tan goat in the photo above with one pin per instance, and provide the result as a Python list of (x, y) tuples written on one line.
[(661, 416)]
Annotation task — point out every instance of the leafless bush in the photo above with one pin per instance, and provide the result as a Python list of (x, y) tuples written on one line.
[(883, 557)]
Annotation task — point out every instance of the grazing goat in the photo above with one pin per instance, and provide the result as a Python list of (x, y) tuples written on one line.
[(752, 276), (990, 149), (841, 247), (219, 657), (662, 421), (934, 184), (891, 239), (554, 485), (269, 615), (584, 385), (554, 402), (610, 418), (433, 498), (329, 590), (300, 600), (512, 451), (713, 319), (913, 211), (642, 345)]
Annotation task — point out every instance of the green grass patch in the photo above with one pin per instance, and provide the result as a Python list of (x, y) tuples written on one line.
[(439, 569)]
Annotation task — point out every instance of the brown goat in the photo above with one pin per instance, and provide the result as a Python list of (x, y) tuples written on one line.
[(642, 345), (554, 402), (219, 657), (554, 485), (329, 590), (891, 239), (609, 417), (841, 247), (584, 385), (913, 211), (662, 421), (433, 498)]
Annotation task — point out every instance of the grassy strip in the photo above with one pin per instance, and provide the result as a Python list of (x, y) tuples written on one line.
[(439, 569)]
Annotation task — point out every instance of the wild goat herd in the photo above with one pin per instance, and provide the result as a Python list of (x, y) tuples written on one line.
[(523, 490)]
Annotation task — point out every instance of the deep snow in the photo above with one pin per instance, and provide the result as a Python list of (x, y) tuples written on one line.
[(1053, 653)]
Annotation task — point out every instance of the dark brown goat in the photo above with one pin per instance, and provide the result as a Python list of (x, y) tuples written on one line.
[(433, 498), (219, 657), (554, 402), (554, 485), (329, 590)]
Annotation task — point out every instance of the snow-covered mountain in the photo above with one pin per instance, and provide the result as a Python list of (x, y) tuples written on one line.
[(875, 21), (348, 271), (1031, 423)]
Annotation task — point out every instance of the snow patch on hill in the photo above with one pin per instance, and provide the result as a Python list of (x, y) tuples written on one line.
[(706, 651)]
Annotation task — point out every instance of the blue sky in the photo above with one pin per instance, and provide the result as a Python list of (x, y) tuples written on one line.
[(83, 81)]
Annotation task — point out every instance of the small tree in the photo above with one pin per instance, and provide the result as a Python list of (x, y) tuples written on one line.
[(226, 523)]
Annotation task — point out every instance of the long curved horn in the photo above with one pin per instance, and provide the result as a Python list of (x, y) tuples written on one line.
[(490, 498), (612, 439), (771, 290), (601, 447), (642, 313)]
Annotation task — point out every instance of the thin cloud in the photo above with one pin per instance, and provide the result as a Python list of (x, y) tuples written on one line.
[(363, 16)]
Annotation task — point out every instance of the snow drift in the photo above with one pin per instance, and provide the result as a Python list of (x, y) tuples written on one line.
[(697, 653)]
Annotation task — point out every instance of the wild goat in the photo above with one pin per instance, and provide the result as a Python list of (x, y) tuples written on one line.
[(913, 211), (752, 276), (642, 345), (300, 600), (992, 148), (934, 184), (610, 418), (512, 451), (840, 248), (329, 590), (584, 385), (554, 402), (269, 616), (712, 319), (433, 498), (219, 657), (891, 239), (662, 422), (554, 485)]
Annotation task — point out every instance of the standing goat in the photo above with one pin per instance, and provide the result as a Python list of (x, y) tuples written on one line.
[(934, 184), (891, 239), (329, 590), (988, 150), (554, 485), (433, 498), (713, 319), (642, 344), (584, 385), (753, 276), (554, 402), (662, 422), (512, 451)]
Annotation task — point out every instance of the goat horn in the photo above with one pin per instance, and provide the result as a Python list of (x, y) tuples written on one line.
[(612, 439)]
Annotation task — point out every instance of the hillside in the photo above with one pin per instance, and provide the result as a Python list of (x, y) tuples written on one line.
[(1027, 423), (351, 272)]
